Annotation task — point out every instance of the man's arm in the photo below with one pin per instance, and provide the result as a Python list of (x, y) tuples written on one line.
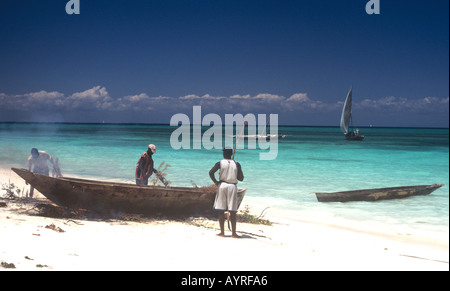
[(240, 174), (51, 161), (213, 171), (139, 168), (29, 163), (49, 158), (151, 168)]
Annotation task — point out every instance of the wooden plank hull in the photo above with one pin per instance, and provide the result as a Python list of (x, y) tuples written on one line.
[(123, 197), (355, 137), (263, 137), (377, 194)]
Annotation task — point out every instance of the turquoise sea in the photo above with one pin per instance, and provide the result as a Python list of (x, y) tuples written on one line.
[(310, 159)]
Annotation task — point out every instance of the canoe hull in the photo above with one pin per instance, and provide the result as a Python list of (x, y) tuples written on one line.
[(355, 137), (377, 194), (123, 197)]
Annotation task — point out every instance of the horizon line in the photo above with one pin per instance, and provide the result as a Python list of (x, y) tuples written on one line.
[(191, 124)]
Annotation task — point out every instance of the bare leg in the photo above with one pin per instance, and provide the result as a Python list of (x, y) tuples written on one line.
[(222, 223), (233, 225)]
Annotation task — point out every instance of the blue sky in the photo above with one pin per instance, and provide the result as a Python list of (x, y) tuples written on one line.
[(143, 61)]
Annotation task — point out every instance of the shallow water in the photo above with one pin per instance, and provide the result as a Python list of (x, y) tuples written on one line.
[(310, 159)]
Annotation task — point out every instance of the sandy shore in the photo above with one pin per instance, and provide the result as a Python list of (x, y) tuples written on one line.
[(32, 242)]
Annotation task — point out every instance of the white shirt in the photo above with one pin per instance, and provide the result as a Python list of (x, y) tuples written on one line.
[(40, 162), (228, 171)]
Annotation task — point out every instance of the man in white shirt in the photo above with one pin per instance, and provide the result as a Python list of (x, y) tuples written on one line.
[(38, 160), (226, 198)]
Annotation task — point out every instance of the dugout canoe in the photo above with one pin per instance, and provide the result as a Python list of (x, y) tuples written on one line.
[(103, 196), (377, 194)]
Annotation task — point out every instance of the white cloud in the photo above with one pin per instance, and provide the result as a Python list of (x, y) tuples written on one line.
[(269, 98), (428, 104), (136, 98), (240, 97), (95, 93), (98, 99), (43, 95), (302, 102), (299, 97)]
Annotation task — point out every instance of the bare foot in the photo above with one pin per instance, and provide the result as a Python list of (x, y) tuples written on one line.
[(221, 234), (234, 235)]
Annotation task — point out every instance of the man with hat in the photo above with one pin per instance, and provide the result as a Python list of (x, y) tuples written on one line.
[(38, 160), (226, 197), (144, 167)]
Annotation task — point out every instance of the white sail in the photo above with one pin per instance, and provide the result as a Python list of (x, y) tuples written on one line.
[(346, 112)]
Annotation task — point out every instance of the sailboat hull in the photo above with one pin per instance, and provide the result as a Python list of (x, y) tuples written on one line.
[(356, 137)]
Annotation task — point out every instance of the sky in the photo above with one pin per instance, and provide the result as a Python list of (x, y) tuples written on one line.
[(142, 61)]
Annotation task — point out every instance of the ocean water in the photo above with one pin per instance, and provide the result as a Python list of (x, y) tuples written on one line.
[(310, 159)]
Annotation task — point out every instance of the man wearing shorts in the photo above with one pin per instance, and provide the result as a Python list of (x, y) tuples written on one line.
[(226, 198)]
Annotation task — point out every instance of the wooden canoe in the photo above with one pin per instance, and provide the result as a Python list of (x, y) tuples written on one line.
[(122, 197), (377, 194)]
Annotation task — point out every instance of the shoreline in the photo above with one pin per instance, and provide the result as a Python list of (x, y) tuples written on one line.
[(292, 243)]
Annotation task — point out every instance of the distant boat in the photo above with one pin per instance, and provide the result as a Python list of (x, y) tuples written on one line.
[(377, 194), (346, 119), (264, 134), (112, 196)]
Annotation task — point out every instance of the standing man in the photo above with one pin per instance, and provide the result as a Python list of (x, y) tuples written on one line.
[(226, 197), (145, 167), (38, 160)]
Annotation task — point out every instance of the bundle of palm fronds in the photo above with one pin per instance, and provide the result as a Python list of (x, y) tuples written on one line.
[(160, 174)]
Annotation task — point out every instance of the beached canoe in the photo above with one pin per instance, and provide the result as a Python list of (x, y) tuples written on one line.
[(377, 194), (122, 197)]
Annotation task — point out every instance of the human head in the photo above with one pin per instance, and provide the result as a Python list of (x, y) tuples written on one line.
[(227, 152), (151, 149), (34, 152)]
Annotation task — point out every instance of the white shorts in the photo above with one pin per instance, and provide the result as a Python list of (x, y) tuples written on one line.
[(226, 197)]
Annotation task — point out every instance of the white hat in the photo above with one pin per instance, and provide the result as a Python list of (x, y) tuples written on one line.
[(152, 147)]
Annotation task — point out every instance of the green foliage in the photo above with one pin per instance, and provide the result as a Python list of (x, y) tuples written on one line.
[(161, 174), (245, 216), (11, 190)]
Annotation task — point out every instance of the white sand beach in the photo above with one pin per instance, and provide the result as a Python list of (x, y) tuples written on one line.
[(31, 242)]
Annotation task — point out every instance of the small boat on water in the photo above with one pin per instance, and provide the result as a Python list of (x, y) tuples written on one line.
[(122, 197), (346, 119), (377, 194), (267, 137), (263, 135)]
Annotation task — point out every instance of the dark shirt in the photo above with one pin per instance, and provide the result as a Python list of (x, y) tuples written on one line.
[(144, 168)]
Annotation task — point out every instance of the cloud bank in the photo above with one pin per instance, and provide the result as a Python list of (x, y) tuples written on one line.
[(96, 104)]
